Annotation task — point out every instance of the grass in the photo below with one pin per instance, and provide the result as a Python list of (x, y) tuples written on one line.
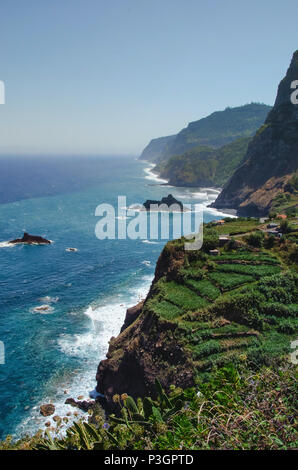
[(166, 310), (230, 280), (250, 270), (205, 288), (237, 227), (182, 297), (250, 257)]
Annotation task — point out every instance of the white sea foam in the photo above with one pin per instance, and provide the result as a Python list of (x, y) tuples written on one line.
[(6, 244), (147, 263), (150, 175), (48, 299), (150, 242), (90, 347)]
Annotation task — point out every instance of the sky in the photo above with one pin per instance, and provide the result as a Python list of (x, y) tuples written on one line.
[(106, 76)]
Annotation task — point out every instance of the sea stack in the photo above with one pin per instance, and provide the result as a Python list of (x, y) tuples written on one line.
[(168, 203), (31, 240)]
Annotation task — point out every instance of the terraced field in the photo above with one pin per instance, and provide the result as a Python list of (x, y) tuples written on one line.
[(232, 307)]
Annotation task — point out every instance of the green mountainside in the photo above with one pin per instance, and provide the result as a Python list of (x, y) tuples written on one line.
[(216, 130), (204, 166), (267, 179), (219, 128)]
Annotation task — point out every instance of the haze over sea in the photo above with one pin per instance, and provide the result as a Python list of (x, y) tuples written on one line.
[(53, 355)]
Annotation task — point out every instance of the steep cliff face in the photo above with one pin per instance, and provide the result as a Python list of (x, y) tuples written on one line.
[(202, 311), (271, 159), (218, 129), (156, 148), (147, 347)]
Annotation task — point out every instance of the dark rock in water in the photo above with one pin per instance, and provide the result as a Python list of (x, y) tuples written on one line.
[(167, 204), (31, 240), (82, 405), (70, 401), (47, 409)]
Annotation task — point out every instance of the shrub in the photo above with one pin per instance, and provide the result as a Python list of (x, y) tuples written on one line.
[(255, 239)]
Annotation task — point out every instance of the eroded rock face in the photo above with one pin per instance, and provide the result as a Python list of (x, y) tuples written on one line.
[(147, 348), (145, 351), (132, 314), (31, 240), (271, 158)]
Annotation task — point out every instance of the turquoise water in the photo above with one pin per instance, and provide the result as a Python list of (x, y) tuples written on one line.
[(53, 355)]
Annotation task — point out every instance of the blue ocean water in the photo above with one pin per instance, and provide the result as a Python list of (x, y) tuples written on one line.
[(51, 355)]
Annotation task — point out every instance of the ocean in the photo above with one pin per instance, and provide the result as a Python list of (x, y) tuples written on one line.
[(53, 354)]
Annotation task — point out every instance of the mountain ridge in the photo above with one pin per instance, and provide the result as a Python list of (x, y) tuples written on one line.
[(271, 159)]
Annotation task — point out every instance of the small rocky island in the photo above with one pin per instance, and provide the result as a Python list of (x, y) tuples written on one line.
[(31, 240), (168, 203)]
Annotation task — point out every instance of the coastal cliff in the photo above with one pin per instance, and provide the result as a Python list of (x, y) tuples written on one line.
[(204, 311), (270, 164), (216, 130), (156, 147)]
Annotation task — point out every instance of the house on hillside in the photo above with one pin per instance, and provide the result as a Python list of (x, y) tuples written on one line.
[(218, 222)]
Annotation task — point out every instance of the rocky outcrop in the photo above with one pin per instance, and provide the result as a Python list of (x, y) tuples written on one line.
[(167, 203), (271, 158), (132, 314), (147, 348), (47, 409), (31, 240), (82, 405)]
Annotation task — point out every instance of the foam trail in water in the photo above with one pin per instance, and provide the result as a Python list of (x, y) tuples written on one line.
[(153, 176), (90, 347)]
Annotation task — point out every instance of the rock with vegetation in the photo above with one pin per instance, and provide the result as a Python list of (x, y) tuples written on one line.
[(204, 312), (204, 166), (267, 179)]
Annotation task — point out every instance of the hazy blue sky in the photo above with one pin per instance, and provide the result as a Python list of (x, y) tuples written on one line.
[(97, 76)]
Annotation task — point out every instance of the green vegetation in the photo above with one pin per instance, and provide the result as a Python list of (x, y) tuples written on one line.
[(204, 165), (256, 271), (230, 281), (220, 128), (205, 288), (181, 296), (237, 226), (232, 409)]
